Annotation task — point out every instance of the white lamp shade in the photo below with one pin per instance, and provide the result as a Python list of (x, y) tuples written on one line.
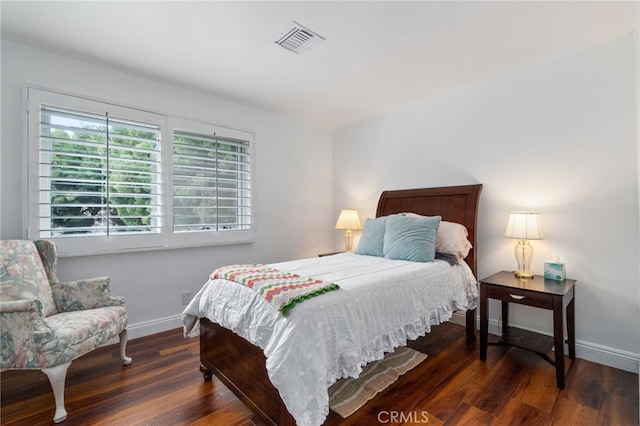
[(524, 226), (348, 219)]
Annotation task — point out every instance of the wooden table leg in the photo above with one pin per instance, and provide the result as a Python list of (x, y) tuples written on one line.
[(571, 329), (505, 317), (484, 322), (558, 340)]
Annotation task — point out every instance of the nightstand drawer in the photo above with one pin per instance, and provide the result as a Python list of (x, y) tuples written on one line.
[(521, 296)]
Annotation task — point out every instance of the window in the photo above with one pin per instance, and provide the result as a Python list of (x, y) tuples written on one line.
[(105, 178), (210, 183), (98, 175)]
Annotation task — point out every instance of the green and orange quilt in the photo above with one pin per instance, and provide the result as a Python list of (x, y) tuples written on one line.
[(281, 289)]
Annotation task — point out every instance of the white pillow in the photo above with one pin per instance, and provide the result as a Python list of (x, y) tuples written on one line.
[(451, 238)]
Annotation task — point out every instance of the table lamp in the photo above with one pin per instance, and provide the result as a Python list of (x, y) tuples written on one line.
[(524, 226), (349, 221)]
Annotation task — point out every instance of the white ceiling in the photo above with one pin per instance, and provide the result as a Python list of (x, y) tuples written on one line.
[(377, 56)]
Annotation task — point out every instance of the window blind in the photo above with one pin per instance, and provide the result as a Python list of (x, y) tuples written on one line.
[(211, 183), (99, 175)]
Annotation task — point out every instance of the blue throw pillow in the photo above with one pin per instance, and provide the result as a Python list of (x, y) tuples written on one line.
[(372, 237), (410, 238)]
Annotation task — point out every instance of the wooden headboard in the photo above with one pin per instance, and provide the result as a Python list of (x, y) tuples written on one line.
[(453, 203)]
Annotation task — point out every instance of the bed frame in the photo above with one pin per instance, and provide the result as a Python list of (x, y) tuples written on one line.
[(241, 366)]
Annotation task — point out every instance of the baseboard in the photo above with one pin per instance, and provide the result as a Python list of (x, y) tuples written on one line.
[(612, 357), (154, 326), (147, 328), (593, 352)]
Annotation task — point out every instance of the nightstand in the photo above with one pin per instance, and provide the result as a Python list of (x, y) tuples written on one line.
[(537, 292)]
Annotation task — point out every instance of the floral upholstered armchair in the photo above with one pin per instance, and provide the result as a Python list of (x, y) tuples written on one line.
[(46, 324)]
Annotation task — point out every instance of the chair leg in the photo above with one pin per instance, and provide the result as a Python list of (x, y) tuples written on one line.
[(57, 376), (123, 348)]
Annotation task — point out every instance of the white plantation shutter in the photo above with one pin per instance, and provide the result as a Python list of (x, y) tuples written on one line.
[(103, 178), (211, 183), (98, 175)]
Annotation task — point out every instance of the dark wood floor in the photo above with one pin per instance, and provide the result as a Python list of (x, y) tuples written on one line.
[(164, 387)]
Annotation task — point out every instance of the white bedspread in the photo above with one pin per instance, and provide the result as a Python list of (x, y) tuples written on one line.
[(380, 305)]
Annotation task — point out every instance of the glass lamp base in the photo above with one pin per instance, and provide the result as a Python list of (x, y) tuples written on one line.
[(524, 254), (348, 240), (523, 274)]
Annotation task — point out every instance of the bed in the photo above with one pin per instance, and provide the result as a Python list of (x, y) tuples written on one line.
[(243, 367)]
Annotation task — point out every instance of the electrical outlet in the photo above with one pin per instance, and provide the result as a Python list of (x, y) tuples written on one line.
[(186, 297)]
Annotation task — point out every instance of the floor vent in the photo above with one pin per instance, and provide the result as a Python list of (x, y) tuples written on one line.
[(298, 39)]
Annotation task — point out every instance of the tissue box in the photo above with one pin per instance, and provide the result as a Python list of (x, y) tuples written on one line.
[(554, 271)]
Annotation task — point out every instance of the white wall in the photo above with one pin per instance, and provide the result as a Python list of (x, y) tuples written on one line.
[(558, 137), (293, 216)]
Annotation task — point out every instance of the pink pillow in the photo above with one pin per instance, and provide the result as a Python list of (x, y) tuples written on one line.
[(451, 238)]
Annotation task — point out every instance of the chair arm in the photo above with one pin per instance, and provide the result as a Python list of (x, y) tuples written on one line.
[(84, 294), (16, 305), (24, 331)]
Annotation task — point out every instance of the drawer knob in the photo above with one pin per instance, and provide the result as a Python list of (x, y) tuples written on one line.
[(513, 296)]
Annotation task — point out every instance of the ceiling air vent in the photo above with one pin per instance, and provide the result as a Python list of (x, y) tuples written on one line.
[(298, 39)]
